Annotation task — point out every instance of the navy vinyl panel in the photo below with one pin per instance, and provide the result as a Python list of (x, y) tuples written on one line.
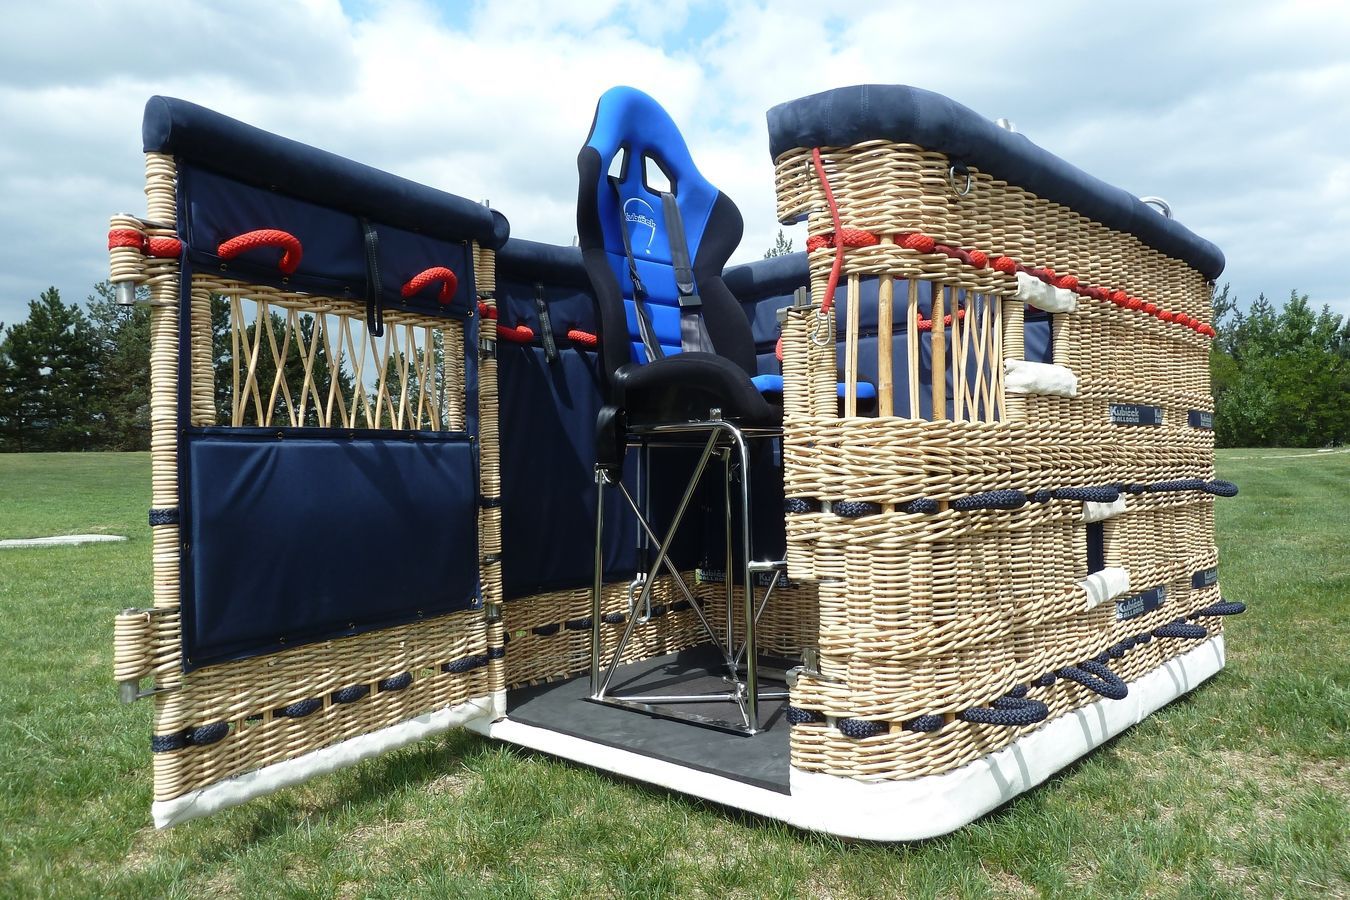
[(320, 534)]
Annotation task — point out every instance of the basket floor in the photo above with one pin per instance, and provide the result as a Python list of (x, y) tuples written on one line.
[(760, 760)]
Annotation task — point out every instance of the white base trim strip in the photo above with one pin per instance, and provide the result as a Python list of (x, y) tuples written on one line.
[(1023, 377), (241, 788), (907, 810)]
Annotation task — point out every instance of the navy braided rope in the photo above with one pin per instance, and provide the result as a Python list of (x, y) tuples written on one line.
[(1097, 677), (395, 682), (547, 630), (1042, 496), (1008, 499), (1222, 608), (1010, 712), (862, 728), (167, 743), (206, 735), (798, 505), (658, 611), (300, 708), (852, 509), (577, 624), (465, 664), (351, 693), (924, 723), (164, 516), (496, 653), (921, 505), (1045, 680), (1180, 484), (1106, 493), (680, 606), (798, 716), (1222, 489), (614, 618), (1181, 629), (1134, 488)]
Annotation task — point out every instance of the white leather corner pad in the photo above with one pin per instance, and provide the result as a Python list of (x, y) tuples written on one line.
[(1096, 512), (1037, 293), (1106, 584), (1023, 377)]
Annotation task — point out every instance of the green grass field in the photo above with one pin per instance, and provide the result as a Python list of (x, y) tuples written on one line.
[(1242, 788)]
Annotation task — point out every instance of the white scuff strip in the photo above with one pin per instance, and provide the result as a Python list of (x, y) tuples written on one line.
[(61, 540), (908, 810), (1106, 584), (241, 788), (1096, 512), (1023, 377)]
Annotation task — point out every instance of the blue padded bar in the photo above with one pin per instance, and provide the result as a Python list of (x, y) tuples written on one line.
[(249, 154), (845, 116)]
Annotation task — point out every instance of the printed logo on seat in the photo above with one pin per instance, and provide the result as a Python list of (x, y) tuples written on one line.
[(638, 212)]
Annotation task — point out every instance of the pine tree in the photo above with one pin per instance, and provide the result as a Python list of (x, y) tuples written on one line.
[(782, 246), (122, 334), (51, 373)]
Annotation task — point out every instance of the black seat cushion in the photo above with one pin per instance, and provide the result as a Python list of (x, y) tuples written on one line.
[(685, 386)]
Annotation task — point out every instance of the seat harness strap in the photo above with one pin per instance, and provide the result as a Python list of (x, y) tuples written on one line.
[(693, 330), (645, 329)]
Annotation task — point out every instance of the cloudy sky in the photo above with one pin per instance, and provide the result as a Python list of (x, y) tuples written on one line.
[(1238, 113)]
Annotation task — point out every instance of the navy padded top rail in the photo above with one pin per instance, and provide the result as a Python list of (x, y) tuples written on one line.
[(254, 156), (628, 121), (896, 112)]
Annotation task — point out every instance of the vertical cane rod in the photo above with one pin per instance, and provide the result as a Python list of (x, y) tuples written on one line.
[(885, 340)]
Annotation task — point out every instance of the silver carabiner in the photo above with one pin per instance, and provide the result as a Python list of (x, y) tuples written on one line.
[(952, 172)]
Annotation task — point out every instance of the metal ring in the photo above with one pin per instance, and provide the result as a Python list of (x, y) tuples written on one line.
[(1163, 206), (952, 172)]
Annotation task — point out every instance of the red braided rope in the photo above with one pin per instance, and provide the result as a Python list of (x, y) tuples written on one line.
[(164, 247), (265, 237), (167, 247), (487, 312), (922, 243), (833, 283), (521, 334), (582, 338), (449, 283), (125, 237)]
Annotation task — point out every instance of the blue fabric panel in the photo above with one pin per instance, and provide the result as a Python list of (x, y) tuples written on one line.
[(333, 260), (845, 116), (1036, 338), (547, 428), (248, 154), (629, 121), (320, 535)]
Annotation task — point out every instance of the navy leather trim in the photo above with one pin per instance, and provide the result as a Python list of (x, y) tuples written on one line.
[(249, 154)]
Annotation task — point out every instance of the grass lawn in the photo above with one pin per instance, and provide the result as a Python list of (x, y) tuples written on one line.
[(1242, 788)]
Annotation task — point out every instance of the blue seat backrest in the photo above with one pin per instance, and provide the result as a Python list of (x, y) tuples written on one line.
[(633, 127)]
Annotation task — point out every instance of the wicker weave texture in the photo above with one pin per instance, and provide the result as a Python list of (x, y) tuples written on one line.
[(947, 552)]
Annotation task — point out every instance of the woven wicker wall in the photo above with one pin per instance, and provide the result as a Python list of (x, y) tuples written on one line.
[(940, 590)]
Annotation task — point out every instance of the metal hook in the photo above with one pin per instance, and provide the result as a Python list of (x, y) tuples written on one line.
[(821, 325), (1163, 206), (959, 169)]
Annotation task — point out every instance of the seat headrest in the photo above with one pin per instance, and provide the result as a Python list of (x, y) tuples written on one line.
[(632, 126)]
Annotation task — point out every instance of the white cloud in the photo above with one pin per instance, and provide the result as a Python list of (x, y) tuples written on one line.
[(1235, 114)]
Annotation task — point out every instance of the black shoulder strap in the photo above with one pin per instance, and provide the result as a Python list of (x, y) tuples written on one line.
[(645, 329), (545, 323), (693, 330)]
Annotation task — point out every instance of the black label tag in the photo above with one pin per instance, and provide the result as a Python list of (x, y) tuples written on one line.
[(1135, 414), (1139, 604), (1200, 418), (719, 576), (1207, 578)]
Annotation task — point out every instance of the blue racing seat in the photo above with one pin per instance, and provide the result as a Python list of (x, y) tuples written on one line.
[(674, 343)]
